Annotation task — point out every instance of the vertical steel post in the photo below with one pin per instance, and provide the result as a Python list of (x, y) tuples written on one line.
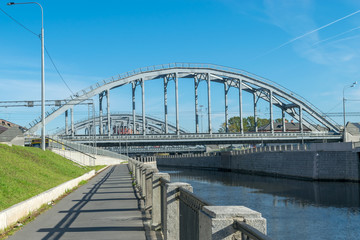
[(143, 106), (271, 111), (255, 113), (226, 89), (66, 123), (133, 84), (165, 104), (177, 104), (301, 128), (108, 111), (240, 108), (72, 122), (283, 120), (196, 84), (209, 102), (101, 114)]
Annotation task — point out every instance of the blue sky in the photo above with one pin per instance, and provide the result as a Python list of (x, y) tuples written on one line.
[(90, 41)]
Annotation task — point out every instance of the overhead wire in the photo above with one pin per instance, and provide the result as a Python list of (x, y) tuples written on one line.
[(47, 52)]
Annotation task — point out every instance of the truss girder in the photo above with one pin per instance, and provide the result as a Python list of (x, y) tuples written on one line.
[(250, 83)]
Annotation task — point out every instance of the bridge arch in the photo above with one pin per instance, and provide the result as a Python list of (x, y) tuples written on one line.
[(261, 88), (121, 123)]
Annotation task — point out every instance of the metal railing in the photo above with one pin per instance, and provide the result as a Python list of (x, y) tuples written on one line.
[(190, 207), (248, 232)]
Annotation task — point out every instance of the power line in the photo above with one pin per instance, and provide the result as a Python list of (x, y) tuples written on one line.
[(47, 52)]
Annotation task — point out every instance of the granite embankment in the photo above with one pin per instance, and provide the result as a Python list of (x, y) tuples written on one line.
[(323, 162)]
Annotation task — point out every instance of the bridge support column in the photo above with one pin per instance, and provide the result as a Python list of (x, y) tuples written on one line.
[(72, 122), (133, 84), (226, 90), (101, 113), (255, 112), (283, 121), (209, 103), (108, 112), (301, 128), (177, 104), (165, 105), (240, 108), (271, 111), (196, 84), (143, 105), (66, 123)]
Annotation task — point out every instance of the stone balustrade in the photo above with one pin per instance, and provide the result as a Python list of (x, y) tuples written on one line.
[(179, 214)]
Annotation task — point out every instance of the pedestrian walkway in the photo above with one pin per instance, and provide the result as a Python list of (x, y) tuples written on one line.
[(104, 208)]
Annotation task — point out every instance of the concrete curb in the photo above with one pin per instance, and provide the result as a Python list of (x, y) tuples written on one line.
[(12, 214)]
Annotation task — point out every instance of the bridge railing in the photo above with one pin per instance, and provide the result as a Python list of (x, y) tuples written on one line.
[(180, 214), (86, 149)]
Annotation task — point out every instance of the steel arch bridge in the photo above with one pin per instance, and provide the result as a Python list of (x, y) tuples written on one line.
[(121, 123), (290, 103)]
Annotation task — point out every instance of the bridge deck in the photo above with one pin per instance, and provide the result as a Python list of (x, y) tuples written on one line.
[(104, 208)]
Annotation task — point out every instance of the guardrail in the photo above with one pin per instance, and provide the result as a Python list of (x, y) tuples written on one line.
[(85, 149), (180, 214)]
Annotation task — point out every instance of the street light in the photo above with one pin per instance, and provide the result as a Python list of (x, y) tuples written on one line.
[(42, 73), (344, 113)]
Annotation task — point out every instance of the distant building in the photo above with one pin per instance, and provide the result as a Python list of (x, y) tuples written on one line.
[(11, 133)]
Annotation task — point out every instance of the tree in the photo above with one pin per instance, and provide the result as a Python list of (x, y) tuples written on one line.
[(249, 124)]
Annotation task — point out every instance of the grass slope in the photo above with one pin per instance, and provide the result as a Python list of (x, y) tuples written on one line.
[(26, 172)]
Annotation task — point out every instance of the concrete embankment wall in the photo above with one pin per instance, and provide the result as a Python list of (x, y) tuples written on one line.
[(11, 215), (309, 164)]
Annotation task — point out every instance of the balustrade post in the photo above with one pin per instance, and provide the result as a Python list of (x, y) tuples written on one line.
[(149, 172), (156, 199), (171, 225), (216, 222)]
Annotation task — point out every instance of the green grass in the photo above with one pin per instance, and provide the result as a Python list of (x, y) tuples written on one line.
[(26, 172)]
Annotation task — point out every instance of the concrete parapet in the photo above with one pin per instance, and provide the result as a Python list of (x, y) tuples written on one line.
[(216, 222), (171, 229), (156, 207), (11, 215)]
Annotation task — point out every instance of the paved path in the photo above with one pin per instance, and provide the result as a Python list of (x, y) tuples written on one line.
[(104, 208)]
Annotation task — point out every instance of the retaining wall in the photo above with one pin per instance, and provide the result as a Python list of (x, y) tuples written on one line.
[(11, 215), (311, 165)]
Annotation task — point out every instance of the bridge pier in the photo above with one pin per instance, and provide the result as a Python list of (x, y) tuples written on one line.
[(283, 120)]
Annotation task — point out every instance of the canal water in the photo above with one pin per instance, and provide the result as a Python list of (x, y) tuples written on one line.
[(294, 209)]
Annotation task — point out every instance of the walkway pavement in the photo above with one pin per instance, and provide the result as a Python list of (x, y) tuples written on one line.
[(104, 208)]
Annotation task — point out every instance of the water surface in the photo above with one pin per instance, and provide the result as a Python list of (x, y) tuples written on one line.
[(294, 209)]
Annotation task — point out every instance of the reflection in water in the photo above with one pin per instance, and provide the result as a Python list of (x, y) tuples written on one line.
[(294, 209)]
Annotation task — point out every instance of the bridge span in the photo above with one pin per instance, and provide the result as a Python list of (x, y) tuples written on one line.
[(291, 105), (204, 139)]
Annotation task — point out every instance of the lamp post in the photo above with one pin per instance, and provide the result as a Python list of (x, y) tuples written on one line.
[(344, 113), (42, 73)]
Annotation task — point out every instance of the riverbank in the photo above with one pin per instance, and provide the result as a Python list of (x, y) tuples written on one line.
[(319, 162)]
